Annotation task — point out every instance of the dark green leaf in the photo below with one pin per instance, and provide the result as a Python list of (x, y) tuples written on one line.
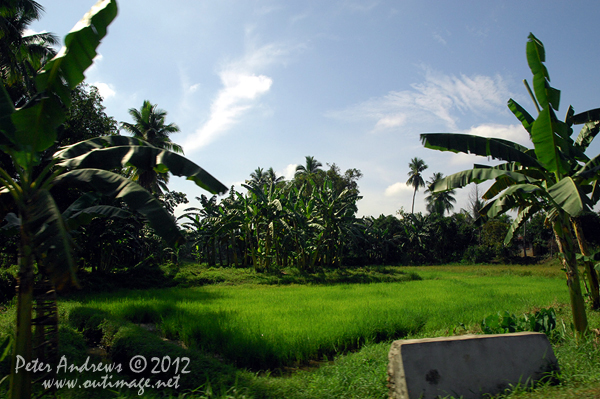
[(51, 240), (117, 186), (521, 114), (568, 197), (488, 147), (86, 215), (37, 122), (536, 55), (546, 143), (96, 143), (7, 128), (521, 218), (477, 176), (592, 115), (146, 157), (513, 197)]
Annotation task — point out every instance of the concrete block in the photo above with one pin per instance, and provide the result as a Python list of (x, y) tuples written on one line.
[(467, 365)]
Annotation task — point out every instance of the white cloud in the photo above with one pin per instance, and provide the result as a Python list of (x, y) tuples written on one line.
[(288, 172), (398, 189), (234, 99), (242, 86), (106, 90), (390, 121), (516, 133), (439, 99)]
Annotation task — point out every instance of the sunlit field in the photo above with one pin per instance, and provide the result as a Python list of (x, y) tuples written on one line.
[(265, 327)]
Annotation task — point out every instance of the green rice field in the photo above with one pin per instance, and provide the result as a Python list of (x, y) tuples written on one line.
[(261, 339), (265, 327)]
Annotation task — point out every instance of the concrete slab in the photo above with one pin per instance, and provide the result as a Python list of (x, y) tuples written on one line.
[(468, 365)]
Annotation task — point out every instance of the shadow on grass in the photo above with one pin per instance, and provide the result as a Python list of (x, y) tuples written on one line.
[(191, 275)]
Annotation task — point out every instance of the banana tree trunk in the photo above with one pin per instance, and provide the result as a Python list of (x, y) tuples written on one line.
[(20, 383), (564, 239), (590, 272)]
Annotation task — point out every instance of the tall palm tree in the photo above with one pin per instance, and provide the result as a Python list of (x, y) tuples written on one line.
[(258, 178), (272, 177), (150, 126), (311, 166), (439, 202), (416, 166), (21, 56)]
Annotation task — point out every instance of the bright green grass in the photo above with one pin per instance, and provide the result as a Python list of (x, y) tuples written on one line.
[(264, 327)]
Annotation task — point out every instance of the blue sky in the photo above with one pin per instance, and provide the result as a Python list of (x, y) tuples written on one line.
[(265, 83)]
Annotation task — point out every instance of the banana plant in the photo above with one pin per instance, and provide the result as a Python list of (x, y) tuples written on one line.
[(25, 136), (554, 176)]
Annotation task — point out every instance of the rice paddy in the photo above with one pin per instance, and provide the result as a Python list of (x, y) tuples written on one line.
[(267, 327)]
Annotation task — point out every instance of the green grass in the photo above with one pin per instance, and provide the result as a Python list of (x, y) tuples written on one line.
[(265, 327), (287, 330)]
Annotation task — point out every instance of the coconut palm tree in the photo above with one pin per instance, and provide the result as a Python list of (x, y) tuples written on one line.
[(416, 166), (258, 178), (272, 177), (150, 126), (21, 56), (310, 167), (439, 202)]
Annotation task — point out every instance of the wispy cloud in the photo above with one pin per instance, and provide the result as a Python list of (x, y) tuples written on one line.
[(439, 39), (439, 99), (242, 86), (360, 6), (234, 99)]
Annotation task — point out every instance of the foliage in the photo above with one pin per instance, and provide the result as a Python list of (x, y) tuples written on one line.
[(308, 222), (543, 320), (86, 118), (438, 202), (8, 284)]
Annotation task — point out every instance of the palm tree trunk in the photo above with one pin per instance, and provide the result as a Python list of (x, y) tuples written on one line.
[(590, 273), (20, 383), (564, 239), (412, 210)]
